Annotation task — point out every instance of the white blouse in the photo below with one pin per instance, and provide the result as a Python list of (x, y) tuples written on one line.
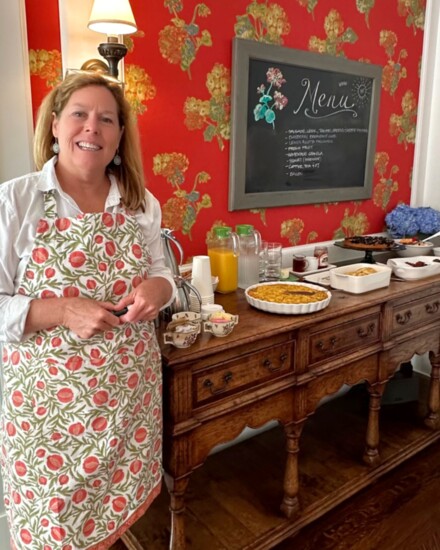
[(21, 207)]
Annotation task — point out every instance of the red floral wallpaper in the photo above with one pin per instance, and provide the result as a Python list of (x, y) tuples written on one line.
[(178, 81)]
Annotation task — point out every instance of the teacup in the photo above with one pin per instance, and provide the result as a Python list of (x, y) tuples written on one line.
[(209, 309), (191, 316), (182, 335), (220, 324)]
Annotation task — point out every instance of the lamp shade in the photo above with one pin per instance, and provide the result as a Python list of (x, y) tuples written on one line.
[(112, 17)]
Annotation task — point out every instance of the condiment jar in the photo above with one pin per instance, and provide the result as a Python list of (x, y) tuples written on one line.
[(321, 252), (249, 240), (223, 252)]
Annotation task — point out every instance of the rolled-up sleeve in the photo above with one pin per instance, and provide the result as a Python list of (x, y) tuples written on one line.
[(13, 307)]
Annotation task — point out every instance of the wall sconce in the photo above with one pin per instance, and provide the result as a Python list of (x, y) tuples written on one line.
[(112, 17)]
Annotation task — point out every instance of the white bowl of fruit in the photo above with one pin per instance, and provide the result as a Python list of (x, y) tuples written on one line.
[(411, 246)]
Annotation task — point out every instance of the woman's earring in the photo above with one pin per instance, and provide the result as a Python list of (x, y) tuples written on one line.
[(117, 159), (56, 146)]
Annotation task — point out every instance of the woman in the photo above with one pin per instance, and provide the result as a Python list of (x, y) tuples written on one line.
[(81, 409)]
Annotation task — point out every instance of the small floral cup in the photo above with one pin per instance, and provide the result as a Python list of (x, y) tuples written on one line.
[(182, 335), (220, 324)]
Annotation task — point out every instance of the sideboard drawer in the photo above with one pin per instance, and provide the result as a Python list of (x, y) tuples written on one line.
[(343, 337), (417, 312), (242, 372)]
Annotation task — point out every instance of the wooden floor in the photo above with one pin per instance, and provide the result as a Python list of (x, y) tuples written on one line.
[(234, 498), (400, 512)]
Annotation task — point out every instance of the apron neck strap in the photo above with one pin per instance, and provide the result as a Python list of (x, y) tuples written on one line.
[(50, 204)]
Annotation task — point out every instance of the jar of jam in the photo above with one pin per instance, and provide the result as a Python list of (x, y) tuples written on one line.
[(321, 252)]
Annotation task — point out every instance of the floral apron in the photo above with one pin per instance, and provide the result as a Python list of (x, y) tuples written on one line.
[(81, 418)]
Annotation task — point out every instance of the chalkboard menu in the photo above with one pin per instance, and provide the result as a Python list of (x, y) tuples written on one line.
[(304, 127)]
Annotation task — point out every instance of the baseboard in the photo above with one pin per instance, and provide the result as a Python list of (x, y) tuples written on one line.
[(4, 534)]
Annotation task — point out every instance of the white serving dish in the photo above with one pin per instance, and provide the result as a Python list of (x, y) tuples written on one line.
[(341, 279), (418, 249), (288, 309), (306, 273), (320, 278), (402, 269)]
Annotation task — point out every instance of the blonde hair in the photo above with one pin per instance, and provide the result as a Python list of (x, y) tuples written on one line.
[(130, 173)]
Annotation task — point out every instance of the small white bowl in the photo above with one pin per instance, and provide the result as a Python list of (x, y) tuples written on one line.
[(436, 250), (418, 249)]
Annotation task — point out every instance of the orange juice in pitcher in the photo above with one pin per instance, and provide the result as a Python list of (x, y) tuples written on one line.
[(223, 254)]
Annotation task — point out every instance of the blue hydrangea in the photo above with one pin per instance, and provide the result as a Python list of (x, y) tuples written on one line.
[(406, 221), (428, 220), (402, 221)]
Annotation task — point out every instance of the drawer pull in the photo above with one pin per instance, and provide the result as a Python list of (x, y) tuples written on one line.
[(365, 333), (432, 308), (405, 318), (209, 384), (321, 346), (267, 363)]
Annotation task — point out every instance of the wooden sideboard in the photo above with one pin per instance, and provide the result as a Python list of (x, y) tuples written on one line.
[(279, 367)]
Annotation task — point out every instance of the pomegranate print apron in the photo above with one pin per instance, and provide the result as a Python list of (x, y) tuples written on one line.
[(81, 418)]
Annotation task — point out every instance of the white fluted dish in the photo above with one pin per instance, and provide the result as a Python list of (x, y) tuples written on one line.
[(289, 309)]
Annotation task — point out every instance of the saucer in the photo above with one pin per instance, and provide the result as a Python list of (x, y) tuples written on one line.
[(305, 273)]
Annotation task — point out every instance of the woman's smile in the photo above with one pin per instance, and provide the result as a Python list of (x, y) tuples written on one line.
[(86, 146)]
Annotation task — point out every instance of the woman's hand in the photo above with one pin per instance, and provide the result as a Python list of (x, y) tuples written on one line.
[(83, 316), (145, 301), (87, 317)]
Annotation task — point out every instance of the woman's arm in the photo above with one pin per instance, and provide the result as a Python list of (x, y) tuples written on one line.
[(150, 223), (15, 242)]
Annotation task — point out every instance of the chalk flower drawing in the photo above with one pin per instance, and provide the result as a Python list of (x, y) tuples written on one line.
[(361, 91), (265, 108)]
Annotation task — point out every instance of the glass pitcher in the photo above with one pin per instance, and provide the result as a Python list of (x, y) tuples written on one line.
[(223, 251), (249, 240)]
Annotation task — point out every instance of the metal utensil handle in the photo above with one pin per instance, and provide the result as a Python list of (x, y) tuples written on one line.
[(431, 236)]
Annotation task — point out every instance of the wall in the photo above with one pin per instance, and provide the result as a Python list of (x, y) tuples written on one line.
[(178, 80), (15, 125), (15, 122), (425, 188)]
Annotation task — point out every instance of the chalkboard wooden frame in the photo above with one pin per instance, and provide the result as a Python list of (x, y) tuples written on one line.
[(307, 188)]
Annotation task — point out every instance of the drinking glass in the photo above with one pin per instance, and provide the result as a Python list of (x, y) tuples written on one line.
[(262, 261), (273, 263)]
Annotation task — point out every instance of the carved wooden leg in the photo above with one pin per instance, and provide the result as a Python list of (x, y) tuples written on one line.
[(130, 541), (371, 453), (177, 489), (432, 419), (290, 504)]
